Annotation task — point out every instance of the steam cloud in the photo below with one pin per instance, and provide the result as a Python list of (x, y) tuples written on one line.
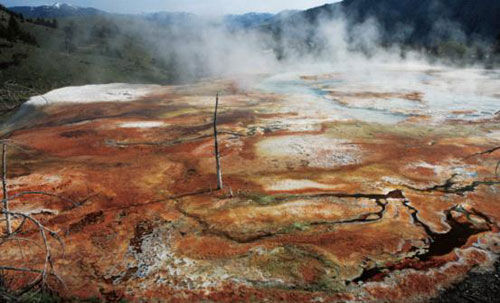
[(208, 47), (192, 47)]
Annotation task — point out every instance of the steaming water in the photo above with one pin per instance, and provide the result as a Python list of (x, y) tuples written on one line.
[(335, 110), (446, 94)]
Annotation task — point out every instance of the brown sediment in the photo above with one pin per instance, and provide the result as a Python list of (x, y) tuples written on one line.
[(321, 77), (369, 211), (345, 97)]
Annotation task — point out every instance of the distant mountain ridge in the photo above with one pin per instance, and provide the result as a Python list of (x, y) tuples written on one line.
[(172, 18), (59, 10), (247, 20), (56, 10)]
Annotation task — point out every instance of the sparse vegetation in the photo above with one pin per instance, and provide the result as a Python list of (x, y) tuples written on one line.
[(71, 52), (13, 32), (261, 199)]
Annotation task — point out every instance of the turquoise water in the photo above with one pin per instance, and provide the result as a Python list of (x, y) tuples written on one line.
[(445, 96)]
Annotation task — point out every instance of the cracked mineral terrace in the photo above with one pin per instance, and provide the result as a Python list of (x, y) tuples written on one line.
[(339, 187)]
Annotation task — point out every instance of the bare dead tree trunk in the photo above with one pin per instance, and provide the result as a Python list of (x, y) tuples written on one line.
[(4, 188), (217, 155)]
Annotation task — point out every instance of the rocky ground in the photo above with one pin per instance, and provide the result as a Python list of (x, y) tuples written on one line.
[(477, 287), (339, 187)]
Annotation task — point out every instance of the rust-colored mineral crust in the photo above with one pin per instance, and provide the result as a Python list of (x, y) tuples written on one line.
[(322, 201)]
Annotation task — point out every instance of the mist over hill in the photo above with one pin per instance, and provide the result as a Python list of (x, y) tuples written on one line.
[(414, 21)]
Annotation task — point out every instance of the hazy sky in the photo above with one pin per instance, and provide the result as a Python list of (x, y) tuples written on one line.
[(212, 7)]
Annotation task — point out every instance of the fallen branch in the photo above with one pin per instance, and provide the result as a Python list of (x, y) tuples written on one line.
[(12, 95), (42, 193), (12, 238), (486, 152), (48, 266)]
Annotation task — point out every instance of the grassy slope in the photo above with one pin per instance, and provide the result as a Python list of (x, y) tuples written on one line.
[(121, 58)]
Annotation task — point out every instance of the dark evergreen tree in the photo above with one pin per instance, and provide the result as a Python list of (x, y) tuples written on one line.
[(497, 45), (12, 29)]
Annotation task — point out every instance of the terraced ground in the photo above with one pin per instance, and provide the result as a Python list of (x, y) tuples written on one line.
[(354, 185)]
